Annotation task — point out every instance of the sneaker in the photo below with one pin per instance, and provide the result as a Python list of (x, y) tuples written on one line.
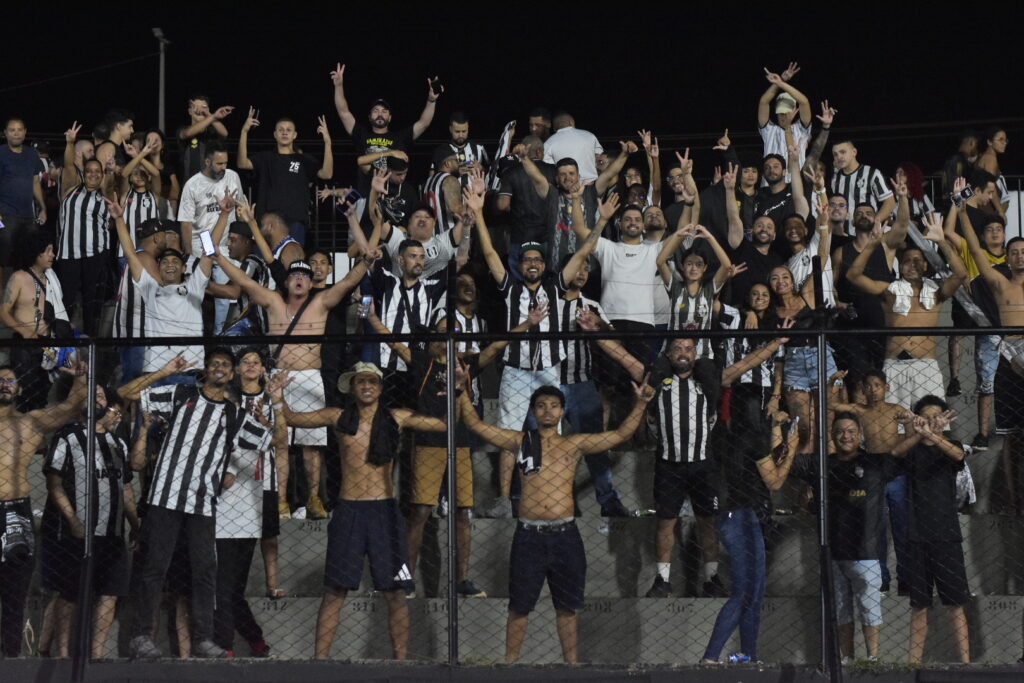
[(259, 649), (410, 592), (660, 589), (143, 647), (501, 508), (873, 659), (614, 508), (284, 511), (207, 649), (714, 588), (980, 442), (885, 587), (315, 508), (738, 658), (847, 661), (467, 589), (954, 387)]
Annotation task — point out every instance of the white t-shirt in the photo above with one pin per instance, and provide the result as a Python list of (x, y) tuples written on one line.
[(802, 268), (199, 206), (662, 304), (438, 251), (580, 145), (629, 279), (173, 311)]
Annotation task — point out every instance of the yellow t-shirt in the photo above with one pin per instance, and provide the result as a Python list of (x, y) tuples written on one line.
[(972, 267)]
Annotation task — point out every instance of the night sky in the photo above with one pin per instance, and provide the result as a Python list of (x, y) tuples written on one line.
[(904, 84)]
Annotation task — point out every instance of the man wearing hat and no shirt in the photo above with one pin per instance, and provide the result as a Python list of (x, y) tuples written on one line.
[(366, 521), (291, 311)]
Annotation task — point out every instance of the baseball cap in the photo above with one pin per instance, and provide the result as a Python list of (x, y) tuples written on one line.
[(533, 246), (784, 103), (152, 226), (300, 268), (240, 228), (380, 101)]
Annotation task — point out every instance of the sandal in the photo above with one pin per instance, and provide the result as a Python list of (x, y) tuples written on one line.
[(275, 593)]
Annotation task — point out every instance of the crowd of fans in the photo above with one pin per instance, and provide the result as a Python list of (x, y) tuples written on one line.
[(549, 232)]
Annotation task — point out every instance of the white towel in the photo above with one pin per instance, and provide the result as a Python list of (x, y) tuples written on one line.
[(904, 291)]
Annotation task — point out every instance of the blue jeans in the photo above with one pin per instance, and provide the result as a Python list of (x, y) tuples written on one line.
[(583, 410), (740, 532), (898, 506)]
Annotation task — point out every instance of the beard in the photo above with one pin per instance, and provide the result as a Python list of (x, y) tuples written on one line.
[(864, 225), (6, 399)]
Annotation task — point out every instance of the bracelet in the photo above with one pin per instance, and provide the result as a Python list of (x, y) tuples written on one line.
[(431, 100), (776, 395), (820, 192), (826, 127), (689, 203), (278, 405)]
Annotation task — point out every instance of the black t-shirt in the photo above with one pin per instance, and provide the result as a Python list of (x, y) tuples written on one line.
[(365, 141), (429, 379), (759, 266), (868, 306), (742, 486), (191, 151), (856, 490), (282, 184), (528, 212), (776, 205), (932, 488)]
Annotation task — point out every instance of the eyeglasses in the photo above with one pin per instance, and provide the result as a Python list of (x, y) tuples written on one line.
[(8, 381), (531, 259), (114, 412)]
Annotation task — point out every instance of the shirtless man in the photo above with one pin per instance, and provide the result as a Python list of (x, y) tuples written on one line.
[(21, 435), (1009, 385), (22, 309), (367, 502), (913, 300), (547, 544), (303, 360)]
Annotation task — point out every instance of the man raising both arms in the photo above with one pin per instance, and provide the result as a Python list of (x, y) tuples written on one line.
[(547, 544), (293, 312), (377, 142), (368, 437)]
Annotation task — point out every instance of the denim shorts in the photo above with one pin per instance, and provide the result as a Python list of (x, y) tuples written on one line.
[(986, 360), (801, 369), (859, 580)]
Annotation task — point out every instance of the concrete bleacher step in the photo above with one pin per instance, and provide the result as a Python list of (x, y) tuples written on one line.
[(621, 563), (616, 631)]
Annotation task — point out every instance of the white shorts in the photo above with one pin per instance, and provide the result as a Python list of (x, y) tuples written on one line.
[(305, 394), (912, 379), (514, 395)]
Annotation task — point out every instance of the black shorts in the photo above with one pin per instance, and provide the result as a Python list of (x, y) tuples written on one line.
[(179, 573), (367, 528), (1009, 399), (939, 564), (62, 565), (552, 553), (675, 481), (271, 516)]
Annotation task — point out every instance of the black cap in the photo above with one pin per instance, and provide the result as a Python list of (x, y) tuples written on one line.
[(441, 153), (240, 228), (380, 101), (397, 164), (533, 246), (170, 251), (301, 268), (152, 226)]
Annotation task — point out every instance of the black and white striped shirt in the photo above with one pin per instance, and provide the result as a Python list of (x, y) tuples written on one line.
[(471, 151), (866, 185), (404, 309), (266, 471), (139, 207), (66, 458), (433, 194), (533, 354), (256, 268), (129, 308), (84, 224), (469, 324), (188, 472), (687, 409), (578, 364)]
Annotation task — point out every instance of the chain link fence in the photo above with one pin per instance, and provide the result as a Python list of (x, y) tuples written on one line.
[(311, 515)]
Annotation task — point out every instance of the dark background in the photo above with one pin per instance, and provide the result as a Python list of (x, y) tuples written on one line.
[(905, 82)]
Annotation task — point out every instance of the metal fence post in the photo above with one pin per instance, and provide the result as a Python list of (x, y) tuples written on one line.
[(450, 482), (82, 645)]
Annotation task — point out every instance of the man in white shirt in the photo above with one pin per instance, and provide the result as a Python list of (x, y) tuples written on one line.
[(792, 113), (570, 142), (200, 208)]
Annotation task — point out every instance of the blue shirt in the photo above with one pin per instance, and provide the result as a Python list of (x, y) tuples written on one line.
[(16, 173)]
